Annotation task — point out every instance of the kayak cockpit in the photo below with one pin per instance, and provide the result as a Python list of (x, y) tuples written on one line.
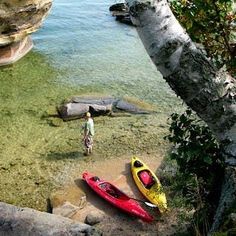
[(138, 164), (95, 178), (112, 191), (146, 178)]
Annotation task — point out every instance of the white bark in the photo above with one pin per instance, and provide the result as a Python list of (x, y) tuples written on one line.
[(211, 93)]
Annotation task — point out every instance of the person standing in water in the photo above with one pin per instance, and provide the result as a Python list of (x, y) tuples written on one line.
[(88, 134)]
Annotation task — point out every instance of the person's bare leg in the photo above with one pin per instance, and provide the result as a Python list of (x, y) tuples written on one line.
[(87, 151), (91, 150)]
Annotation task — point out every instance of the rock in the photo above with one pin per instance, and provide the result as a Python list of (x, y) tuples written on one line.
[(18, 19), (103, 101), (78, 110), (94, 217), (73, 110), (66, 209), (13, 52), (15, 221), (67, 201), (77, 106), (129, 107), (100, 110)]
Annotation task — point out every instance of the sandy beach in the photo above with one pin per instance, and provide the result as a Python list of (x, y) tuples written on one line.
[(114, 221)]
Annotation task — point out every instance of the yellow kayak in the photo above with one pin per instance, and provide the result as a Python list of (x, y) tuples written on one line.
[(148, 184)]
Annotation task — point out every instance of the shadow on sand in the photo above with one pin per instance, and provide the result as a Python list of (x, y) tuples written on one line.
[(96, 200)]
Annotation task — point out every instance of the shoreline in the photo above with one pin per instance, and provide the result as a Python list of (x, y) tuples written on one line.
[(114, 221), (46, 161)]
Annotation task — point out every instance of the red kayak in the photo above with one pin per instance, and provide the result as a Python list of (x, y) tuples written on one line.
[(116, 197)]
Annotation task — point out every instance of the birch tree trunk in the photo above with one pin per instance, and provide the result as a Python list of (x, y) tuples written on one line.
[(193, 77)]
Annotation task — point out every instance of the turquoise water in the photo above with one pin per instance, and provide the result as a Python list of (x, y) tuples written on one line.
[(83, 40), (80, 49)]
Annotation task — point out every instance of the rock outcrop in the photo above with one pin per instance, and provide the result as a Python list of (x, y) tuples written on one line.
[(18, 19), (28, 222), (13, 52)]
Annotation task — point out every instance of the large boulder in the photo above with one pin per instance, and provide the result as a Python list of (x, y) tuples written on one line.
[(76, 107), (15, 221), (18, 19)]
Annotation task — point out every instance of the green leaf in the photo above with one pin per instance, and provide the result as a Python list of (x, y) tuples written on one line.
[(207, 160)]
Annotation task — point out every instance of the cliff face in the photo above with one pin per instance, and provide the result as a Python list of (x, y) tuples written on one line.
[(18, 19)]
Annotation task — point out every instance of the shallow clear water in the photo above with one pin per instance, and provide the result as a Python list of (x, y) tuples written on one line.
[(83, 40), (79, 49)]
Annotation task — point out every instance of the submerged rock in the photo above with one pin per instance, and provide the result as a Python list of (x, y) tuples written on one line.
[(77, 107), (67, 201), (127, 106), (18, 19)]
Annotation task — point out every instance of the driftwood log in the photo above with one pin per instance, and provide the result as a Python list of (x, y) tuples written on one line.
[(78, 106)]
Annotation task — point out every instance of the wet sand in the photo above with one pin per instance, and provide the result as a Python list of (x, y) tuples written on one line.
[(116, 222)]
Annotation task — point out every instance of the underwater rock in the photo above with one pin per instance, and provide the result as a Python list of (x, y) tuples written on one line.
[(26, 221), (77, 107), (18, 19), (129, 107), (67, 201), (66, 210)]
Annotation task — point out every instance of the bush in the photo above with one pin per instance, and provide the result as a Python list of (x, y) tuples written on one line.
[(200, 164)]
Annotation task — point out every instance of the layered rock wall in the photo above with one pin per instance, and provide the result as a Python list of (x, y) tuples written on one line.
[(18, 19)]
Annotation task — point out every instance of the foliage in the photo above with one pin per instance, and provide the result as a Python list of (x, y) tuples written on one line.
[(213, 24), (200, 164), (197, 151)]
